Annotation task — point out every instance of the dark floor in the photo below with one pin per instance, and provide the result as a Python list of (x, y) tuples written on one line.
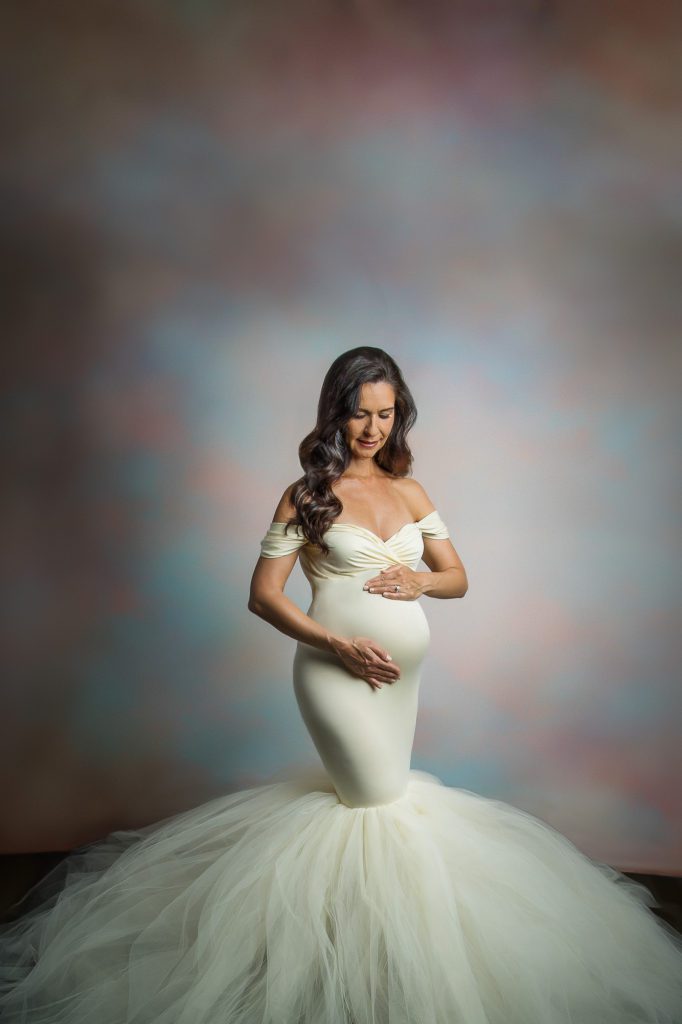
[(18, 872)]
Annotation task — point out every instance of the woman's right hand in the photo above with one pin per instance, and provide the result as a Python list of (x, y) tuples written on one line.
[(367, 659)]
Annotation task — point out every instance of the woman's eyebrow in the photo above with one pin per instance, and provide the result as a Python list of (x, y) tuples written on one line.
[(388, 408)]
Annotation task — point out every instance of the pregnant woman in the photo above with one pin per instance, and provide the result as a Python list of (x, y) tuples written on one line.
[(365, 892)]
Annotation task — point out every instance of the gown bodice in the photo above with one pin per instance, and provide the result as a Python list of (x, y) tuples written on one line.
[(353, 549)]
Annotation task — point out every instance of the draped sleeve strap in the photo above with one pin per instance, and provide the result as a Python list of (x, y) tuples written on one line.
[(276, 542), (433, 526)]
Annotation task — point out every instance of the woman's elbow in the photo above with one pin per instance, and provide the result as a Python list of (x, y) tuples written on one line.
[(253, 606), (260, 601), (255, 603)]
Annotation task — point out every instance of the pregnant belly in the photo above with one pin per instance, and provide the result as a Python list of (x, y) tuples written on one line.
[(342, 606), (364, 736)]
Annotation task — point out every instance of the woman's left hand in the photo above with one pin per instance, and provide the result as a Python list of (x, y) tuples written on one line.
[(402, 576)]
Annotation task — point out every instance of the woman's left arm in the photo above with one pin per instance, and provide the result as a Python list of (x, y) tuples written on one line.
[(447, 577)]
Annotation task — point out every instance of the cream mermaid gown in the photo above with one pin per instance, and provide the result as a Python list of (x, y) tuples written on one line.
[(364, 893)]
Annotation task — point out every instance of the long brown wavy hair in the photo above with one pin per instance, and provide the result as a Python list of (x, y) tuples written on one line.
[(324, 454)]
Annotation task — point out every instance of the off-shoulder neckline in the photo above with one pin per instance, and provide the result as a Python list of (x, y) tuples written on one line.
[(365, 529)]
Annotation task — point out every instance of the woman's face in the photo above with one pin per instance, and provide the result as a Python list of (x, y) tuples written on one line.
[(373, 420)]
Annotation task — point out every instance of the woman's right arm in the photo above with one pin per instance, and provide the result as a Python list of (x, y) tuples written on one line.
[(267, 599)]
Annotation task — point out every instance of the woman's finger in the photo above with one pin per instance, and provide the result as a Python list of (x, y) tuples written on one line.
[(380, 665), (381, 669)]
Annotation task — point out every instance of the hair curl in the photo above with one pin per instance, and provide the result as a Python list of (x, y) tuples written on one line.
[(324, 454)]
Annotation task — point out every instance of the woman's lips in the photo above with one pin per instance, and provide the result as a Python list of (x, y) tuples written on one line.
[(368, 444)]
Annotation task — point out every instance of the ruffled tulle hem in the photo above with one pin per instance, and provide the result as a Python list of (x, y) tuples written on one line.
[(281, 905)]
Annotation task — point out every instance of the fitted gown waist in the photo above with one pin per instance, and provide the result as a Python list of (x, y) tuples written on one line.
[(363, 736)]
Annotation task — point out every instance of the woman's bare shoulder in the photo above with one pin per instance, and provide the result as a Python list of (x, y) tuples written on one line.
[(286, 509), (415, 495)]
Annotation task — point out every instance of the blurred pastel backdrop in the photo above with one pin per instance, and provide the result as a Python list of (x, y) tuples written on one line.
[(204, 204)]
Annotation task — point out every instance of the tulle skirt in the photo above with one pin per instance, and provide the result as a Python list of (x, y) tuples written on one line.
[(279, 904)]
